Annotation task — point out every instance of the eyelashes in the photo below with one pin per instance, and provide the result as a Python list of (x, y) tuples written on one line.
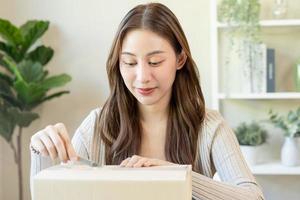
[(129, 64), (132, 64)]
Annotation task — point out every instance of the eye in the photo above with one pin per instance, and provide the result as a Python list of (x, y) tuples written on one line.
[(131, 64), (155, 63)]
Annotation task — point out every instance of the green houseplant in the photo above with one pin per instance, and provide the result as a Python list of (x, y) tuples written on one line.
[(250, 134), (251, 138), (245, 53), (242, 17), (24, 81), (290, 124)]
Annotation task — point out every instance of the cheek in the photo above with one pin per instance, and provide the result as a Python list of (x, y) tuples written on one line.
[(167, 74), (126, 76)]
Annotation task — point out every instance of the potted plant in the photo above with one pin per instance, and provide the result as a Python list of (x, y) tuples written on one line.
[(290, 124), (246, 51), (24, 81), (252, 138)]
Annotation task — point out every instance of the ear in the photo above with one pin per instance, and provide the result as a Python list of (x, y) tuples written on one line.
[(181, 59)]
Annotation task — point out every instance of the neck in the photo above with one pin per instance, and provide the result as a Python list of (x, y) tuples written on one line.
[(155, 113)]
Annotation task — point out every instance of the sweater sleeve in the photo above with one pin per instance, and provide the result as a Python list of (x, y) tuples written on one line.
[(238, 183), (80, 141)]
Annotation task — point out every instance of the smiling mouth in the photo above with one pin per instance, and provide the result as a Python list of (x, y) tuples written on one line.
[(145, 91)]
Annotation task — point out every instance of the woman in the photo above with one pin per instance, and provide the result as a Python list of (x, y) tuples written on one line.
[(155, 114)]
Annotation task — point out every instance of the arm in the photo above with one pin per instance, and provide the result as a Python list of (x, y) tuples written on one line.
[(238, 181), (80, 142)]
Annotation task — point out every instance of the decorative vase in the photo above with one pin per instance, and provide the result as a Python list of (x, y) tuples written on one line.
[(290, 155), (253, 154)]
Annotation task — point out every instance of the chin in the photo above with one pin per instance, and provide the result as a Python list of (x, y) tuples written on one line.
[(147, 101)]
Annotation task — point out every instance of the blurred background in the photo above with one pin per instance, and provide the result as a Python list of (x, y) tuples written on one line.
[(234, 75)]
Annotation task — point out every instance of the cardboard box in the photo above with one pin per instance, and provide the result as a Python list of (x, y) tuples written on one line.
[(82, 182)]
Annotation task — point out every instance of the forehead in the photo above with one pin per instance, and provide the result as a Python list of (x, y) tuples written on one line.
[(142, 41)]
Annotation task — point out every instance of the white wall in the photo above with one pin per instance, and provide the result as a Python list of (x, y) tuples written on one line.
[(81, 33)]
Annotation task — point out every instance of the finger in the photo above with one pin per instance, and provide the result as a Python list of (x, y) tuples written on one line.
[(151, 162), (58, 143), (141, 162), (49, 145), (71, 153), (39, 146), (132, 161), (124, 162)]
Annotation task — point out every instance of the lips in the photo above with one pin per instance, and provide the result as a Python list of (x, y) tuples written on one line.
[(145, 91)]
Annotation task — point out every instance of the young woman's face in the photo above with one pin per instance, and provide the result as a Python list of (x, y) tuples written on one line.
[(148, 65)]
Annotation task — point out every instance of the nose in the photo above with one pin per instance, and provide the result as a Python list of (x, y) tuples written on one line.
[(143, 73)]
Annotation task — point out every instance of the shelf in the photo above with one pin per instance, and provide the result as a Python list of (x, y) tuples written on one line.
[(277, 95), (274, 168), (271, 23)]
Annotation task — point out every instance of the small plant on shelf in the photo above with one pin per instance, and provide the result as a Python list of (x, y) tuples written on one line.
[(251, 134), (290, 123), (242, 17), (252, 138)]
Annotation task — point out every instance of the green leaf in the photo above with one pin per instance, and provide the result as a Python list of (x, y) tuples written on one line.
[(4, 64), (6, 123), (31, 31), (22, 118), (5, 88), (10, 51), (251, 134), (56, 81), (292, 117), (7, 95), (31, 71), (10, 33), (298, 113), (47, 98), (41, 54), (29, 93), (6, 78), (6, 126), (12, 116), (11, 66)]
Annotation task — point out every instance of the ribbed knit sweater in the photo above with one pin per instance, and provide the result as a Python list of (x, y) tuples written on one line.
[(218, 151)]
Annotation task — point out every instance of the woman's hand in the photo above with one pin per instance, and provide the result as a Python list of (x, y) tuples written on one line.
[(53, 141), (139, 161)]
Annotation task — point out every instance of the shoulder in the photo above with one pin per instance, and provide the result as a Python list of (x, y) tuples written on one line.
[(89, 120), (212, 118), (85, 130), (211, 123)]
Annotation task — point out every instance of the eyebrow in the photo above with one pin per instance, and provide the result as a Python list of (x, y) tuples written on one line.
[(148, 54)]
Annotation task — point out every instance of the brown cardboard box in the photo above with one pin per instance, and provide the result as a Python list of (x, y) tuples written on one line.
[(81, 182)]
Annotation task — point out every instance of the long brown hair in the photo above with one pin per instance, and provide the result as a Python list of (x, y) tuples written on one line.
[(119, 125)]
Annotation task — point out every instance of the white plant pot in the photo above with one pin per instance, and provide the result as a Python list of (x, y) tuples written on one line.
[(253, 154), (290, 155)]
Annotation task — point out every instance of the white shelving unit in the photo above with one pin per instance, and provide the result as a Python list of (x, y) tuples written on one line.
[(274, 168), (271, 168), (277, 95), (271, 23)]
